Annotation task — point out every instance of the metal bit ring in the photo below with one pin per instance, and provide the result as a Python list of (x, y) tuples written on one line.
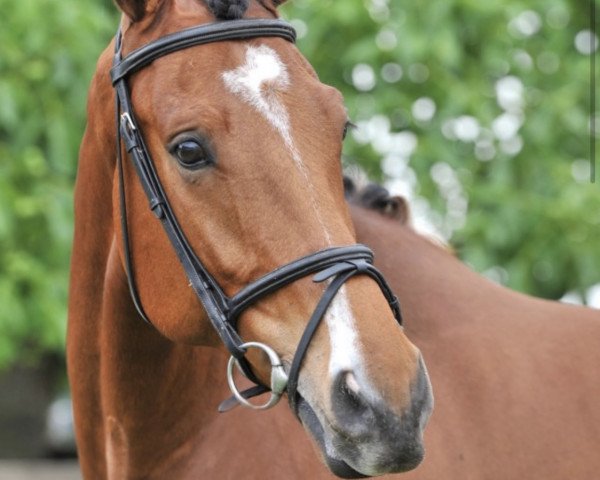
[(278, 377)]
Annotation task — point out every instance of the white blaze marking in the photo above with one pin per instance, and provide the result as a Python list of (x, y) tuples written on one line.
[(259, 82), (263, 66), (342, 335)]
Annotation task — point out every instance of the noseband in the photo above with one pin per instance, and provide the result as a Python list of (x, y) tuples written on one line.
[(335, 265)]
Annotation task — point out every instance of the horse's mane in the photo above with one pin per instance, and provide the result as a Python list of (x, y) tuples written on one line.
[(235, 9), (228, 9)]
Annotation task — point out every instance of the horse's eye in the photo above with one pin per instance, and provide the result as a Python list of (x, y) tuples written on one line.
[(191, 154)]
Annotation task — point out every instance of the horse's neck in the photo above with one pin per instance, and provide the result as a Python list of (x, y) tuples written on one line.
[(158, 397), (440, 296), (159, 407), (431, 283), (164, 397), (503, 365)]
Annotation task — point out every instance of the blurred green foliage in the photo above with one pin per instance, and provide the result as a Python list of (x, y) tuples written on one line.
[(48, 50), (532, 214)]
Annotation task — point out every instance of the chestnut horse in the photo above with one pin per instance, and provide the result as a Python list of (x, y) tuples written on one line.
[(236, 144)]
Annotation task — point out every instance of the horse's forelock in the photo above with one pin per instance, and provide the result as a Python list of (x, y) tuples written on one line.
[(228, 9)]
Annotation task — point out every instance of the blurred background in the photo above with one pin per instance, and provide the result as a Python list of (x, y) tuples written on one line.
[(477, 112)]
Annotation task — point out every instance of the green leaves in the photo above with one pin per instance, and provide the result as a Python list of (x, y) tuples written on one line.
[(522, 161), (516, 167), (48, 51)]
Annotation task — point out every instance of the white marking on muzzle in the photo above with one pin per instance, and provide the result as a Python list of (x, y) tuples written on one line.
[(345, 354), (259, 82)]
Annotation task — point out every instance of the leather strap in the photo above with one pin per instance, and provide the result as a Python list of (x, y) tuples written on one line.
[(125, 228), (210, 294), (340, 272), (232, 402), (293, 271), (307, 336), (202, 34)]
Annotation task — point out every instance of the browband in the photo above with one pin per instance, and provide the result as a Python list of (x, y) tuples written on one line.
[(199, 35)]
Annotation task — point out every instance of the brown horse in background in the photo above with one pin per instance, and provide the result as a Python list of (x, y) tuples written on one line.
[(246, 142), (517, 379)]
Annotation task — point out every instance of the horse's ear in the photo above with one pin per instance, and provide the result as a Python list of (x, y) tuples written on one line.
[(137, 9), (272, 4), (375, 197), (397, 208), (134, 9)]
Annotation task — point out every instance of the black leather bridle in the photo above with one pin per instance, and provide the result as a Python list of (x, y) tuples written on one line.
[(336, 264)]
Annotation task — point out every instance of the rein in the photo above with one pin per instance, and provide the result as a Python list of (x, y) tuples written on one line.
[(335, 264)]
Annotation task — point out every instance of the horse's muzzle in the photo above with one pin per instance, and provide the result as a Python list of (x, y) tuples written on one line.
[(365, 438)]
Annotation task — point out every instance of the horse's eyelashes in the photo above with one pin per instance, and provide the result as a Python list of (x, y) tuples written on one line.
[(347, 126)]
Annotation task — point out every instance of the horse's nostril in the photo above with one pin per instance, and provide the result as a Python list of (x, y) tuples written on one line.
[(348, 400), (367, 434), (352, 383), (350, 392)]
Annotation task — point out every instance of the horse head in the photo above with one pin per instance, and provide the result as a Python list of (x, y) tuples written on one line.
[(246, 144)]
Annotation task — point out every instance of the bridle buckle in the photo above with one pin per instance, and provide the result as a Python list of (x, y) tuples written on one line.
[(127, 123)]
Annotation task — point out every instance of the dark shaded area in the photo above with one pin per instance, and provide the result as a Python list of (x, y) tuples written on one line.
[(25, 394)]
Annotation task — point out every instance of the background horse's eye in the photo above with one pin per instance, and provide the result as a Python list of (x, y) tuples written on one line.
[(191, 154)]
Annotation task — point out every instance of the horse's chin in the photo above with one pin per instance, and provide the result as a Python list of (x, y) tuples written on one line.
[(311, 422)]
